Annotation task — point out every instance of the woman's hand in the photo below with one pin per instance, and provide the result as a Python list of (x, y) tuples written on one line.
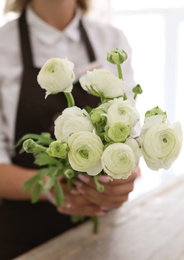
[(115, 192), (85, 200), (75, 203)]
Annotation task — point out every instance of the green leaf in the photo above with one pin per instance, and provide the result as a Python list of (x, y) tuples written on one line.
[(58, 193), (34, 180), (43, 138), (59, 171), (52, 171), (21, 151), (44, 159), (36, 193), (88, 109), (48, 185)]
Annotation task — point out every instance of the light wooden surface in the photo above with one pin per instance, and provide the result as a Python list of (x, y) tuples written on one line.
[(150, 227)]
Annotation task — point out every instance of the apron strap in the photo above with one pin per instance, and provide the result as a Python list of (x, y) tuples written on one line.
[(85, 38), (26, 52)]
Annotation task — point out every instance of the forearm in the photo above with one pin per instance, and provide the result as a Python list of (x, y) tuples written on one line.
[(12, 179)]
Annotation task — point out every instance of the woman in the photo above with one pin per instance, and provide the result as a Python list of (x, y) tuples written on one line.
[(45, 29)]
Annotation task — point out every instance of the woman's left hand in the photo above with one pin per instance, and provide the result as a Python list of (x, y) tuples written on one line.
[(115, 192)]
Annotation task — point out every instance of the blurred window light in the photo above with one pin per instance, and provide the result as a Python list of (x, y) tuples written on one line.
[(144, 4), (1, 12)]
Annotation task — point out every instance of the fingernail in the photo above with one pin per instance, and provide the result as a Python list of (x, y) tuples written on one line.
[(75, 192), (78, 184), (104, 178), (80, 190), (79, 187), (100, 213), (83, 178), (50, 197), (104, 208)]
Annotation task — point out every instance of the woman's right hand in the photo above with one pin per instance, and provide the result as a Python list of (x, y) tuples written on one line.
[(75, 203)]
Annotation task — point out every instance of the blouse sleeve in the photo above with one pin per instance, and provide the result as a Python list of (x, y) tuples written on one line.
[(4, 140), (4, 154)]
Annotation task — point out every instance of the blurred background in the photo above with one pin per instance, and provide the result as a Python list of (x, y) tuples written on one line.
[(155, 31)]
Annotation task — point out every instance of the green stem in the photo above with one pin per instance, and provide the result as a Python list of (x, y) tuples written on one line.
[(120, 73), (41, 148), (70, 99), (95, 224), (120, 76), (135, 96), (125, 96), (99, 186)]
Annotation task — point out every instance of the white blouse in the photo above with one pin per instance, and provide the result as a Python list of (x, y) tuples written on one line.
[(48, 42)]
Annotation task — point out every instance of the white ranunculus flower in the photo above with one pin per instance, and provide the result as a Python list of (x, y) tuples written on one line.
[(102, 83), (122, 110), (72, 120), (118, 160), (160, 142), (56, 76), (135, 147), (85, 151)]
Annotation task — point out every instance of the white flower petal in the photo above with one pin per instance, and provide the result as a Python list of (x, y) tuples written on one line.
[(85, 151), (118, 160), (100, 82), (56, 76), (72, 120)]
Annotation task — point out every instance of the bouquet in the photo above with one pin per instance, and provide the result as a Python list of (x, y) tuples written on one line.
[(100, 140)]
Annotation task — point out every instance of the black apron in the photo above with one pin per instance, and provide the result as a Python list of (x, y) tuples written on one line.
[(24, 225)]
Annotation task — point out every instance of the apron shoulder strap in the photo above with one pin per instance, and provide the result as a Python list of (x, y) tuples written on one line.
[(85, 38), (26, 51)]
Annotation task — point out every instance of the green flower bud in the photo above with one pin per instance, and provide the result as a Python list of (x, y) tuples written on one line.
[(29, 146), (58, 149), (137, 90), (69, 173), (155, 111), (117, 56), (117, 132), (98, 117)]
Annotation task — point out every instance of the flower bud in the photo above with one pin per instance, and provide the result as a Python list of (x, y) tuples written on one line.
[(58, 149), (117, 56), (117, 132), (155, 111), (98, 117), (69, 173), (29, 146)]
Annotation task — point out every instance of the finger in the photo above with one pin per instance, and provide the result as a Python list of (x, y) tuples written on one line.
[(114, 187), (118, 189), (77, 205), (102, 199), (103, 179), (88, 210)]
